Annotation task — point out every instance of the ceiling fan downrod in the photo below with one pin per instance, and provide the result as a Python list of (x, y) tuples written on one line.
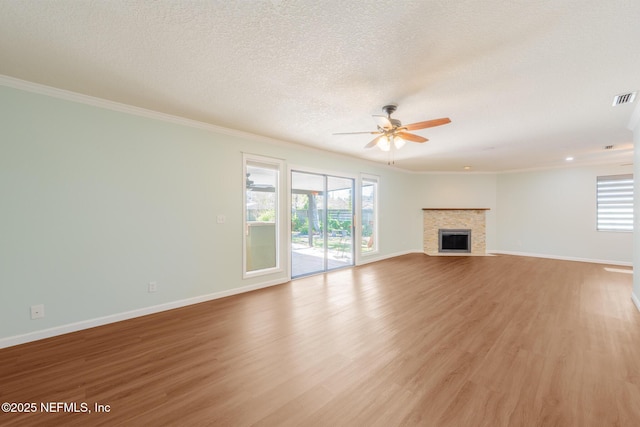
[(395, 123), (390, 109)]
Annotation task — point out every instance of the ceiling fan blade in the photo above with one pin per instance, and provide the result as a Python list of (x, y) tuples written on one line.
[(373, 142), (427, 124), (383, 122), (411, 137), (357, 133)]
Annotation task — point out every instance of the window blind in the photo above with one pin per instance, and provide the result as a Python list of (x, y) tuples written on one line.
[(615, 203)]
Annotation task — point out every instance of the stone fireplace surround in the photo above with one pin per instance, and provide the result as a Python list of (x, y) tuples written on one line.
[(435, 219)]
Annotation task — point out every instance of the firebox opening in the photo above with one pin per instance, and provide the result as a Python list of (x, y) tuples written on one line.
[(454, 240)]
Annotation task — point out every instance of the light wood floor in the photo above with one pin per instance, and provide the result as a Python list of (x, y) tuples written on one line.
[(414, 340)]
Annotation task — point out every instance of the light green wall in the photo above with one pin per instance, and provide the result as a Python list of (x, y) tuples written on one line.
[(97, 203), (553, 213)]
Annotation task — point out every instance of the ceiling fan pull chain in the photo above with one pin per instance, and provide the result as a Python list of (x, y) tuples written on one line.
[(392, 149)]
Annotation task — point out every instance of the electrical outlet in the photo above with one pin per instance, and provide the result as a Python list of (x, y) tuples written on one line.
[(221, 219), (153, 286), (37, 311)]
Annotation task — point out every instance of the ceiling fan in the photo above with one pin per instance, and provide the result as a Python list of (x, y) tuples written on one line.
[(392, 133)]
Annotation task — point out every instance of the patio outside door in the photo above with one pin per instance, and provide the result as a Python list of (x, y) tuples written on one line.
[(321, 223)]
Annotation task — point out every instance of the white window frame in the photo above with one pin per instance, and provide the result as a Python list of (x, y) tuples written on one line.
[(376, 213), (277, 165), (614, 203)]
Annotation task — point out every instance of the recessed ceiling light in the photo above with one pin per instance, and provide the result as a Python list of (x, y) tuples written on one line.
[(569, 159), (467, 168)]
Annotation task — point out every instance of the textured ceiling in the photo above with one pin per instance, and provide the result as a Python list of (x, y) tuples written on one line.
[(525, 83)]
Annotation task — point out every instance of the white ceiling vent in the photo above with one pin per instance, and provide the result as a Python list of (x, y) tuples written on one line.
[(624, 98)]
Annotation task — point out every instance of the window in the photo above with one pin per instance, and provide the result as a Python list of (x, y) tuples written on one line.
[(261, 215), (615, 203), (369, 215)]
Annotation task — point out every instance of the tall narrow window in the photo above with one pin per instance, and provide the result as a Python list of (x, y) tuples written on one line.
[(369, 215), (261, 215), (615, 203)]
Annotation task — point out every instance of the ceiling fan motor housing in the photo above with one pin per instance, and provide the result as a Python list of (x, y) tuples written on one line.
[(390, 109)]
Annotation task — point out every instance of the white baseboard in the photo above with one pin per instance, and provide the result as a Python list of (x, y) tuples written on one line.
[(118, 317), (563, 258), (374, 258)]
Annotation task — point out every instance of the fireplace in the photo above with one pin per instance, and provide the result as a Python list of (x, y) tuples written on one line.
[(452, 241), (456, 221)]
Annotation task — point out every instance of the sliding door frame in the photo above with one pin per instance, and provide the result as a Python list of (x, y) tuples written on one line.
[(356, 232)]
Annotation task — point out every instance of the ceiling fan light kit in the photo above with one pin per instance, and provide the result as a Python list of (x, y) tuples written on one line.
[(398, 142), (392, 134), (383, 143)]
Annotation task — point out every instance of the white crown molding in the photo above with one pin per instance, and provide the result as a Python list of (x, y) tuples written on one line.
[(156, 115), (469, 172), (572, 165), (123, 108), (67, 95)]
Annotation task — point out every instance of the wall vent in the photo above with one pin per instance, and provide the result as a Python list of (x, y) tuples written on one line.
[(624, 98)]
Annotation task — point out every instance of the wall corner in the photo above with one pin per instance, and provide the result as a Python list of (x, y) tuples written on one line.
[(634, 126)]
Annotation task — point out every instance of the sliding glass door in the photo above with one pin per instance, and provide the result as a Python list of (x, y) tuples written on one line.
[(321, 222)]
